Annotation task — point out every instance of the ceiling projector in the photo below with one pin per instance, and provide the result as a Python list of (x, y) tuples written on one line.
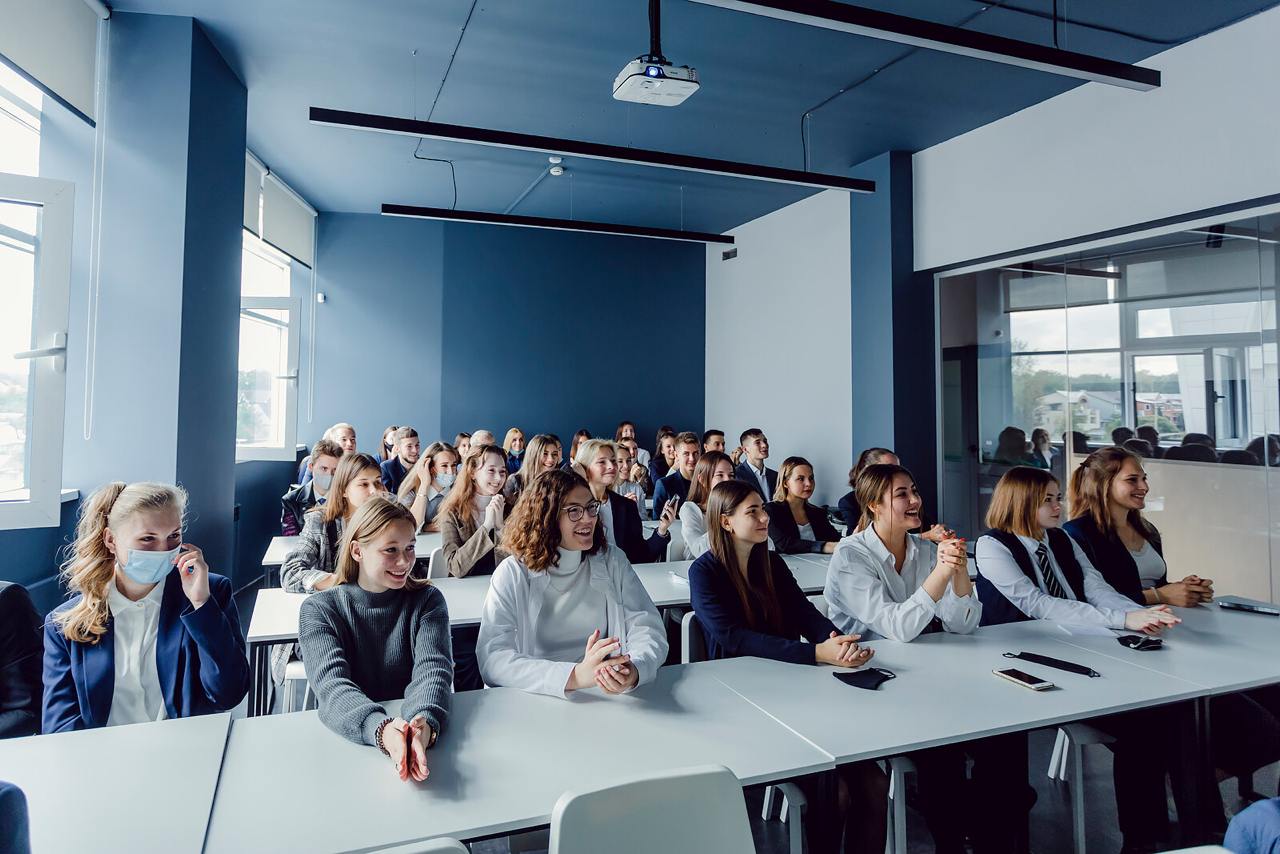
[(660, 83)]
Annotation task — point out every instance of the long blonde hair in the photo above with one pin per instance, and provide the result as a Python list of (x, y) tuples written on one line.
[(371, 519), (90, 567)]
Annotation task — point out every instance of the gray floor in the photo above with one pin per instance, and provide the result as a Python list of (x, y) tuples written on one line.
[(1050, 820)]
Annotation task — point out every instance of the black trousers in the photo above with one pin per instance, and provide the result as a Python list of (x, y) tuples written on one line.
[(466, 670), (848, 806), (992, 808)]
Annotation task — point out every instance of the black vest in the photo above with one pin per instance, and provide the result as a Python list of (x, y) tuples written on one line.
[(996, 609)]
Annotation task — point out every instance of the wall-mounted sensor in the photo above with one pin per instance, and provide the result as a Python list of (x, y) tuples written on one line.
[(320, 297)]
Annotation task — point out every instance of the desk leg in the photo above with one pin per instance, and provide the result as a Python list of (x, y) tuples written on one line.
[(1200, 804), (259, 665)]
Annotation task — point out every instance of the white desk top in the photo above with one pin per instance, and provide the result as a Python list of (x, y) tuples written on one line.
[(145, 787), (275, 612), (1219, 650), (280, 547), (944, 692), (501, 764)]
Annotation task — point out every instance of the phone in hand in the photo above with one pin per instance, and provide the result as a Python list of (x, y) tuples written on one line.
[(1026, 680)]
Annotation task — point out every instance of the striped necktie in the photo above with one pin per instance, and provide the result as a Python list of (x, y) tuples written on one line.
[(1051, 584)]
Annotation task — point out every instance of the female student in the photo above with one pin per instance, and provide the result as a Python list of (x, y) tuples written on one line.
[(712, 468), (566, 611), (473, 513), (309, 567), (795, 525), (462, 442), (1028, 568), (627, 430), (618, 516), (543, 454), (664, 455), (150, 633), (388, 449), (1108, 494), (578, 438), (438, 465), (380, 633), (748, 603), (848, 508), (513, 444), (626, 485)]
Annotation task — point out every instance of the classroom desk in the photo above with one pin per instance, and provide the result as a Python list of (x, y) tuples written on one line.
[(144, 787), (275, 612), (500, 765), (944, 692)]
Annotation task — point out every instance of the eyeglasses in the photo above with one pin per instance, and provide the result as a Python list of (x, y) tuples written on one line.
[(575, 511)]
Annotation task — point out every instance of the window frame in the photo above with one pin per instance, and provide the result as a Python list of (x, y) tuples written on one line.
[(42, 506)]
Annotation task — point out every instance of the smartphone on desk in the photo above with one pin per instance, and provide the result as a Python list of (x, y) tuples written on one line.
[(1026, 680)]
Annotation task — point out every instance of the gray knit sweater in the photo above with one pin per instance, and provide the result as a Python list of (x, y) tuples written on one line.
[(363, 648)]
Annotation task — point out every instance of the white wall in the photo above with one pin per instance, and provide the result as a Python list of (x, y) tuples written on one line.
[(778, 345), (1099, 157)]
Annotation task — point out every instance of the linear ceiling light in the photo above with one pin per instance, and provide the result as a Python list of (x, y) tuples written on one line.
[(596, 151), (887, 26), (553, 223), (1029, 269)]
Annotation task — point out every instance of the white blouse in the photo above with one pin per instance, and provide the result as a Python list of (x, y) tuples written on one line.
[(1151, 567), (867, 595), (137, 698), (606, 519), (693, 529)]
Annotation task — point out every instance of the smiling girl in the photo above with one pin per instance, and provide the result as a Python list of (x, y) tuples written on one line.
[(795, 525), (309, 566), (712, 468), (543, 454), (149, 633), (379, 633)]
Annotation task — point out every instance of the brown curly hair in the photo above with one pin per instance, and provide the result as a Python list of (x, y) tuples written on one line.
[(532, 531)]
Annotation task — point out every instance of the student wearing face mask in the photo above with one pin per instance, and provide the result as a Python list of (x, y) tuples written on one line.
[(321, 464), (795, 525), (566, 611), (597, 462), (543, 455), (380, 633), (754, 447), (408, 448), (713, 468), (150, 633), (438, 466), (513, 444), (688, 448), (343, 435)]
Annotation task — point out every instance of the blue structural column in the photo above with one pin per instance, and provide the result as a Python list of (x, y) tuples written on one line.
[(163, 379), (893, 348)]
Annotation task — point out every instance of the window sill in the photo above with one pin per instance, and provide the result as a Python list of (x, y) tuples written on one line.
[(70, 495)]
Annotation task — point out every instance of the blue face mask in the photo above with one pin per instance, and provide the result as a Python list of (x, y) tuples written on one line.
[(517, 453), (323, 480), (445, 479), (149, 567)]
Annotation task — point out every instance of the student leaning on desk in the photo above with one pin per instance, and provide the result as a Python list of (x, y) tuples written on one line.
[(380, 633)]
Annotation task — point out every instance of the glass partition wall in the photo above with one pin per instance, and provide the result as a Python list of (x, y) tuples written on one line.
[(1164, 338)]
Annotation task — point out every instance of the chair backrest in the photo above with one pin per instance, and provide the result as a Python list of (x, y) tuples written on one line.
[(675, 548), (443, 845), (820, 602), (1237, 457), (693, 644), (685, 811), (437, 566)]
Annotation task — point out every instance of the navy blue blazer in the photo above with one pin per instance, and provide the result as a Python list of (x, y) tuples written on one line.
[(628, 532), (1111, 557), (673, 485), (849, 510), (393, 473), (746, 473), (724, 623), (200, 658), (20, 646), (785, 533), (15, 828)]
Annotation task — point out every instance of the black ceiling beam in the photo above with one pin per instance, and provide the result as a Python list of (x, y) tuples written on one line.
[(593, 150), (886, 26), (553, 223)]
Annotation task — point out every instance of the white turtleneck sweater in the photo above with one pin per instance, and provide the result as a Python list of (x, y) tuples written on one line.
[(571, 610)]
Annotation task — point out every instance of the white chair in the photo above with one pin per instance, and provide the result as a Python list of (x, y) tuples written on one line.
[(295, 674), (443, 845), (1068, 749), (820, 602), (693, 648), (437, 566), (686, 811), (675, 548)]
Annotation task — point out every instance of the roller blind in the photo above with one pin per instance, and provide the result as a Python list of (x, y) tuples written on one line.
[(288, 223), (55, 43), (253, 175)]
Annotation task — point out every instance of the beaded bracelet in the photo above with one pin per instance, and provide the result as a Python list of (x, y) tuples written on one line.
[(378, 736)]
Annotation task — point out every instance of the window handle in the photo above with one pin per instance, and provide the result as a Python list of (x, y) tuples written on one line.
[(58, 352), (293, 377)]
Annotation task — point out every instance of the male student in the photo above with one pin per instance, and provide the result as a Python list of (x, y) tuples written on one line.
[(322, 463), (396, 467), (755, 445), (676, 484), (713, 440)]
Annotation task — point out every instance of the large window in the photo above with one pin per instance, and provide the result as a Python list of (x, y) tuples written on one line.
[(267, 381), (35, 252)]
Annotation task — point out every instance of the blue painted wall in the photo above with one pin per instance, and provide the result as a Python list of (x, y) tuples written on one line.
[(551, 331)]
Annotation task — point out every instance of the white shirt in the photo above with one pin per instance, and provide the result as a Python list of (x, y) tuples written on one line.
[(762, 475), (642, 456), (806, 531), (1151, 567), (606, 519), (137, 698), (571, 611), (868, 596), (1102, 606), (693, 529)]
